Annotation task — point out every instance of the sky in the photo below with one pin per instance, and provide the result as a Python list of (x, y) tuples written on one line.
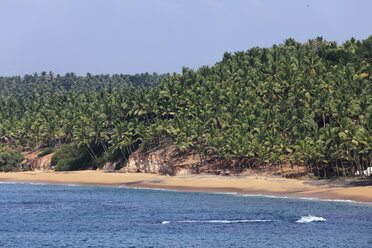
[(134, 36)]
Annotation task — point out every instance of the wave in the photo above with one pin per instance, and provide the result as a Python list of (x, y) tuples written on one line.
[(310, 218), (36, 183), (215, 221), (255, 195), (299, 198), (21, 182), (225, 193)]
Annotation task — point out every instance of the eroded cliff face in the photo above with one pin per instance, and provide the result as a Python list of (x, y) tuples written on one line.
[(169, 161), (36, 163), (172, 161)]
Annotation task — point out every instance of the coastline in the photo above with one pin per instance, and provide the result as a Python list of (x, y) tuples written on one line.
[(243, 185)]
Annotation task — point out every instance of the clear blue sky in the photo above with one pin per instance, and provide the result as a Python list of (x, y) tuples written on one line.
[(122, 36)]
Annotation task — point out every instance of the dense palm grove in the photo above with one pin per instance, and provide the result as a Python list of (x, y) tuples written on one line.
[(49, 84), (304, 104)]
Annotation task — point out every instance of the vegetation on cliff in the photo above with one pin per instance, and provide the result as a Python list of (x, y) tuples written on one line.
[(70, 158), (308, 104), (10, 160)]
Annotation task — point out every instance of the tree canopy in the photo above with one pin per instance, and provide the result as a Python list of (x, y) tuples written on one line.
[(307, 104), (44, 84)]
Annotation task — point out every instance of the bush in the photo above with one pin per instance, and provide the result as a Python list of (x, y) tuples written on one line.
[(67, 164), (46, 152), (70, 157), (118, 166), (27, 168), (10, 160)]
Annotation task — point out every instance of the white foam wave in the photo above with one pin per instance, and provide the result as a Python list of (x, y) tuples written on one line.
[(300, 198), (37, 183), (155, 189), (12, 182), (215, 221), (310, 218), (256, 195), (261, 195), (226, 193)]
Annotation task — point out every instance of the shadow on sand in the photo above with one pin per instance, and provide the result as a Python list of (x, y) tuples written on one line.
[(360, 182)]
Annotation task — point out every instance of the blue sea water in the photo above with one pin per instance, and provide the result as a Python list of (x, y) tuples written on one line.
[(87, 216)]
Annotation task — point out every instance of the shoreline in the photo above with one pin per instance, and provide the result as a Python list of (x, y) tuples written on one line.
[(249, 185)]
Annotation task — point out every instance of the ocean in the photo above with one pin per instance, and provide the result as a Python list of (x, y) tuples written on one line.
[(36, 215)]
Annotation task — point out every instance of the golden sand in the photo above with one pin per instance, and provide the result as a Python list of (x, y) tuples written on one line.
[(250, 184)]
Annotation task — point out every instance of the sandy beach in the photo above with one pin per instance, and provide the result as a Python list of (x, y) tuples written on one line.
[(354, 190)]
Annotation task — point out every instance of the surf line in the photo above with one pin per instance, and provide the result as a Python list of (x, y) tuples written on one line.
[(215, 221)]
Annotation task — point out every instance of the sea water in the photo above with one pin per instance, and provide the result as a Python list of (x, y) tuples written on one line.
[(86, 216)]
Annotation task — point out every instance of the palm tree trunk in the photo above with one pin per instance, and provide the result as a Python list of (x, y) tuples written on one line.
[(343, 168), (130, 149), (358, 165), (338, 173), (104, 147), (91, 152), (350, 160), (317, 168), (125, 158)]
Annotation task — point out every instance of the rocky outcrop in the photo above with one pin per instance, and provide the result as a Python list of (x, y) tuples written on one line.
[(36, 163), (109, 167), (170, 161), (173, 161), (366, 172)]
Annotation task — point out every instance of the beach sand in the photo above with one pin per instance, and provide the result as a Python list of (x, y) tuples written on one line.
[(248, 184)]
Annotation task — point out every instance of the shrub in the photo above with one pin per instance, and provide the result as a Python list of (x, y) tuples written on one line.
[(70, 157), (67, 164), (46, 152), (10, 160), (118, 166), (27, 168)]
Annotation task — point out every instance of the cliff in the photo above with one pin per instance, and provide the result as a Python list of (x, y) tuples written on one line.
[(169, 161), (37, 163), (173, 161)]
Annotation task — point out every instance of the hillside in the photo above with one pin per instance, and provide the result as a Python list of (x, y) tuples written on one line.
[(307, 104)]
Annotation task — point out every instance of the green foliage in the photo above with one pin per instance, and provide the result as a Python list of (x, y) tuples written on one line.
[(45, 84), (27, 168), (46, 152), (308, 103), (70, 157), (118, 166), (10, 160)]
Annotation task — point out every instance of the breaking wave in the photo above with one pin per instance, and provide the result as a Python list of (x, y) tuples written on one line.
[(215, 221), (310, 218)]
